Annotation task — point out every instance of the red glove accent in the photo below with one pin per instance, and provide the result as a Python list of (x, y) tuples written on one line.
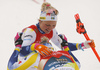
[(18, 40), (92, 44), (43, 50)]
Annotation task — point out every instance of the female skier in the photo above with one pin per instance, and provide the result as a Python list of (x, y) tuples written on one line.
[(28, 41)]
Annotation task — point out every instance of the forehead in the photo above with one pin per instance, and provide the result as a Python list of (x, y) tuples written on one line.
[(50, 22)]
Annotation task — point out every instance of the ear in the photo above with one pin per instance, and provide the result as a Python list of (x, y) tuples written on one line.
[(40, 21)]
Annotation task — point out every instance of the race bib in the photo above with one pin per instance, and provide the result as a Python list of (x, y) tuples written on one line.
[(57, 61)]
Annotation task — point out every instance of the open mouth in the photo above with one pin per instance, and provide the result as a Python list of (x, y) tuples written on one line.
[(48, 30)]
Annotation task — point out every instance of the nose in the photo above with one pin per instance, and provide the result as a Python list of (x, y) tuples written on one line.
[(51, 27)]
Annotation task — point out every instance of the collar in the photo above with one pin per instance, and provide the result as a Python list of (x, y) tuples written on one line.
[(38, 26)]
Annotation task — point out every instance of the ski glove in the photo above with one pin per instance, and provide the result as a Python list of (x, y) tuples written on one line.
[(18, 40), (42, 49), (63, 40), (86, 45)]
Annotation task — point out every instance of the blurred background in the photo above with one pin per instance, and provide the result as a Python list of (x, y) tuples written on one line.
[(18, 14)]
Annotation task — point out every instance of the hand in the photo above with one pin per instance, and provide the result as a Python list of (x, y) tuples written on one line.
[(89, 43), (63, 40), (43, 50), (18, 40)]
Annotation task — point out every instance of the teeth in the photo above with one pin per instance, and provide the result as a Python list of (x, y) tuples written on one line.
[(48, 30)]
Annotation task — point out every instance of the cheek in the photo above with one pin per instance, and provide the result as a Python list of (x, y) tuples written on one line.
[(45, 27), (54, 26)]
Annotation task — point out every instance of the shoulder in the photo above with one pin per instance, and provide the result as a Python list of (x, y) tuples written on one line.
[(55, 32), (32, 27), (29, 31)]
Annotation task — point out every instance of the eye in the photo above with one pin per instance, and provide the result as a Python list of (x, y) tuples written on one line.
[(54, 25), (47, 25)]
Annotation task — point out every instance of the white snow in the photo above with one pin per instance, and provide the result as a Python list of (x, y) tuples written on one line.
[(18, 14)]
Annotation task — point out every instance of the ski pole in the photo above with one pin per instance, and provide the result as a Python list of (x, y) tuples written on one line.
[(81, 30)]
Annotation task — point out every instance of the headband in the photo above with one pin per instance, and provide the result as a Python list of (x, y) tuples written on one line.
[(48, 15)]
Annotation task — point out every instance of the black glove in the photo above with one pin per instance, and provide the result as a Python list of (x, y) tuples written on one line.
[(64, 42), (18, 40)]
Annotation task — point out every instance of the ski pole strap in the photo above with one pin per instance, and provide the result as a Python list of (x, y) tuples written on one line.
[(80, 46)]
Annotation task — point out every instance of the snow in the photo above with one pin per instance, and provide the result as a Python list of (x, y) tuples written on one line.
[(18, 14)]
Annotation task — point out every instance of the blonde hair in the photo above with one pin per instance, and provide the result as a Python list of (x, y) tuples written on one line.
[(44, 40), (45, 6)]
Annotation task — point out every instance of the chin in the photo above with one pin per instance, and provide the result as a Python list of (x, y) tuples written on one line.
[(47, 32)]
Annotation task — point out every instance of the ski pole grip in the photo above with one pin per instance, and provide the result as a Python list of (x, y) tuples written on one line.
[(78, 21), (80, 26), (77, 18)]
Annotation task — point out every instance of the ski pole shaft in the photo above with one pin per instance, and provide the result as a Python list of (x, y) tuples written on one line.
[(93, 49), (81, 29)]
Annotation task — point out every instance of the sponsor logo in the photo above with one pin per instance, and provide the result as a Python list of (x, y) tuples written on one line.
[(52, 17), (28, 36), (42, 17), (62, 60)]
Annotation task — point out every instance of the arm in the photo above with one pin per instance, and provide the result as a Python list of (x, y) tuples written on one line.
[(74, 46), (28, 38), (13, 59), (19, 43), (61, 40), (66, 45), (28, 45), (81, 46)]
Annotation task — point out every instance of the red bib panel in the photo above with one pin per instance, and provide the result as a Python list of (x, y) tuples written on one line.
[(40, 35)]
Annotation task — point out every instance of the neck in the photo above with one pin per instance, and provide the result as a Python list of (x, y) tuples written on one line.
[(38, 26)]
